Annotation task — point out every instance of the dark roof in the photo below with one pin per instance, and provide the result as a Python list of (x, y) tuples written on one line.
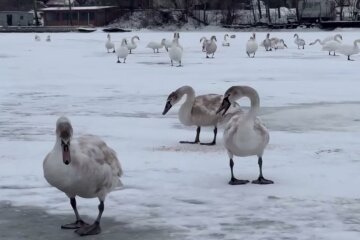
[(76, 8)]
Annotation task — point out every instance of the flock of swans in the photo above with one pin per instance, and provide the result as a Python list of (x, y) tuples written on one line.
[(209, 46), (88, 168)]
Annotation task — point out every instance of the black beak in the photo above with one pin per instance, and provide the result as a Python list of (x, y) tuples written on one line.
[(66, 152), (225, 105), (167, 107)]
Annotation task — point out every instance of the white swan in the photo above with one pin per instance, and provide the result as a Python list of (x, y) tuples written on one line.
[(332, 37), (84, 167), (349, 49), (330, 45), (37, 38), (132, 45), (109, 45), (267, 42), (244, 134), (280, 45), (175, 52), (274, 41), (299, 42), (251, 46), (199, 111), (225, 43), (203, 40), (156, 45), (211, 47), (122, 51), (48, 38)]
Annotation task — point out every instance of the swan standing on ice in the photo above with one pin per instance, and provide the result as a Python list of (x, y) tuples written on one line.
[(280, 45), (37, 38), (251, 46), (175, 52), (349, 49), (203, 40), (225, 42), (85, 167), (274, 41), (156, 45), (267, 42), (122, 51), (48, 38), (333, 37), (109, 45), (329, 45), (244, 134), (211, 47), (199, 111), (299, 42), (132, 45)]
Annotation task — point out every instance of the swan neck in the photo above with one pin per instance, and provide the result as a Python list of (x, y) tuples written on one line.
[(254, 101), (189, 92)]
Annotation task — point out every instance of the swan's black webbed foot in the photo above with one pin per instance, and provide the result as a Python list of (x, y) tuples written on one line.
[(78, 224), (89, 230), (234, 181), (262, 180)]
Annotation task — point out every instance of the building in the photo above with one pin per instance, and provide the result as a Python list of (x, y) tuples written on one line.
[(317, 10), (79, 16), (61, 3), (16, 18)]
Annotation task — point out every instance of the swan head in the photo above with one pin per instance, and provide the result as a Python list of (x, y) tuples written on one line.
[(177, 35), (172, 99), (214, 38), (254, 35), (124, 42), (268, 35), (338, 36), (296, 35), (136, 37), (230, 96), (163, 41), (64, 132)]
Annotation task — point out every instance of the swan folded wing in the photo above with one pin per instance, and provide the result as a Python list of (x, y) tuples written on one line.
[(262, 130), (96, 149)]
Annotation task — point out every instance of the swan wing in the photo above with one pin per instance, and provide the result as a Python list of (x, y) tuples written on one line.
[(97, 150)]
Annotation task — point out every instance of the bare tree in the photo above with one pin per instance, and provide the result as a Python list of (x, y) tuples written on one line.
[(37, 23), (341, 4), (259, 8)]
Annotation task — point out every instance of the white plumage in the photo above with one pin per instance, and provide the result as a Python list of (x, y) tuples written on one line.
[(267, 42), (132, 44), (122, 51), (84, 167), (203, 40), (109, 45), (175, 52), (156, 46), (244, 134), (299, 42), (349, 49), (251, 46), (225, 43)]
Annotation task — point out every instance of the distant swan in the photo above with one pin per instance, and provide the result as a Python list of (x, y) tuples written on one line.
[(350, 49), (156, 45), (122, 51), (109, 45), (330, 45), (48, 38), (37, 38), (211, 47), (203, 40), (132, 45), (175, 52), (267, 42), (251, 46), (299, 42), (84, 167), (244, 134), (199, 111), (225, 43), (280, 45)]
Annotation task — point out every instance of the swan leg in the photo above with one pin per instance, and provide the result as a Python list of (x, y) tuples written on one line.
[(261, 179), (95, 227), (248, 54), (124, 60), (212, 55), (179, 64), (214, 140), (233, 180), (172, 64), (197, 138), (130, 51), (118, 61), (114, 50), (79, 222), (157, 50)]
